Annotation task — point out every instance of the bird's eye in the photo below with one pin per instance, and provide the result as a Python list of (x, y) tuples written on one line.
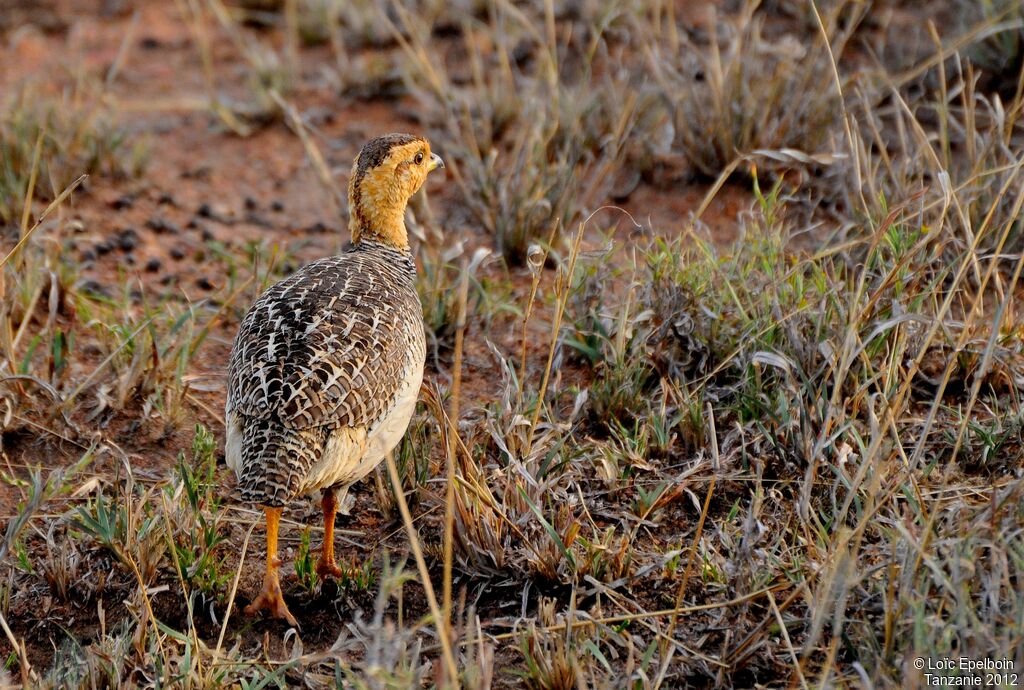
[(419, 158)]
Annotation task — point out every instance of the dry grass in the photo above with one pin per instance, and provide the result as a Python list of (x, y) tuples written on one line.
[(74, 133), (793, 460)]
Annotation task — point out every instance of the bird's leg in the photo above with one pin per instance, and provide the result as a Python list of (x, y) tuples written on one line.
[(270, 597), (326, 565)]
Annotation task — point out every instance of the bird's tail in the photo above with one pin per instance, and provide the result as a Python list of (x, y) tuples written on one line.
[(272, 459)]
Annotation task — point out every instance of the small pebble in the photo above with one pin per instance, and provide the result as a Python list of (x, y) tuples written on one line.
[(199, 173), (162, 226), (153, 265), (128, 239), (219, 213), (93, 287), (122, 202), (104, 247), (260, 220)]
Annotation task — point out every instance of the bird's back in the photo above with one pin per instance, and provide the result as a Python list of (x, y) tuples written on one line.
[(322, 357)]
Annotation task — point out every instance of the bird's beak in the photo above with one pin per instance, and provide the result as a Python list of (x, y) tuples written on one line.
[(435, 162)]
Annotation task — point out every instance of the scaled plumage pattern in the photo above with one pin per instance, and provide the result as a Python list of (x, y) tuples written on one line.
[(327, 364)]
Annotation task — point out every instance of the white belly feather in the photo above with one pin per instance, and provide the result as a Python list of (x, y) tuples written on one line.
[(350, 455), (233, 443)]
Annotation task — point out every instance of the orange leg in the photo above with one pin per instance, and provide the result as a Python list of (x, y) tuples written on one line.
[(326, 565), (270, 598)]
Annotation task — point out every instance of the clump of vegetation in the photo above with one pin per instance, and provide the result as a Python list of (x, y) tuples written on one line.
[(444, 273), (531, 144), (52, 139), (745, 94), (196, 527)]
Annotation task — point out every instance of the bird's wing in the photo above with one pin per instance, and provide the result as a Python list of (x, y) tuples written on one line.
[(327, 347)]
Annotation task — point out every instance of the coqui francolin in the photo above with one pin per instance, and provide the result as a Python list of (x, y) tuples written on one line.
[(327, 364)]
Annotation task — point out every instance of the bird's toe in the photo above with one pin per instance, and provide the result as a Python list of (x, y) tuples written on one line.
[(271, 600)]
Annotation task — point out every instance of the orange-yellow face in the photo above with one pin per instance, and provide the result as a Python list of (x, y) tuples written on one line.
[(387, 171)]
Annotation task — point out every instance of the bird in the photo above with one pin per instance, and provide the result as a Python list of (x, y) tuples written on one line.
[(326, 367)]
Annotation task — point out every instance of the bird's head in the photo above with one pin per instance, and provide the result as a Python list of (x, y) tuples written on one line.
[(387, 171)]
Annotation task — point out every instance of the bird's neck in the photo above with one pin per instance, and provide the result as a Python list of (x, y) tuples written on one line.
[(376, 216), (391, 233)]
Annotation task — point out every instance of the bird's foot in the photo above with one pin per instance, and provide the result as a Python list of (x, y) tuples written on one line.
[(327, 566), (271, 599)]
